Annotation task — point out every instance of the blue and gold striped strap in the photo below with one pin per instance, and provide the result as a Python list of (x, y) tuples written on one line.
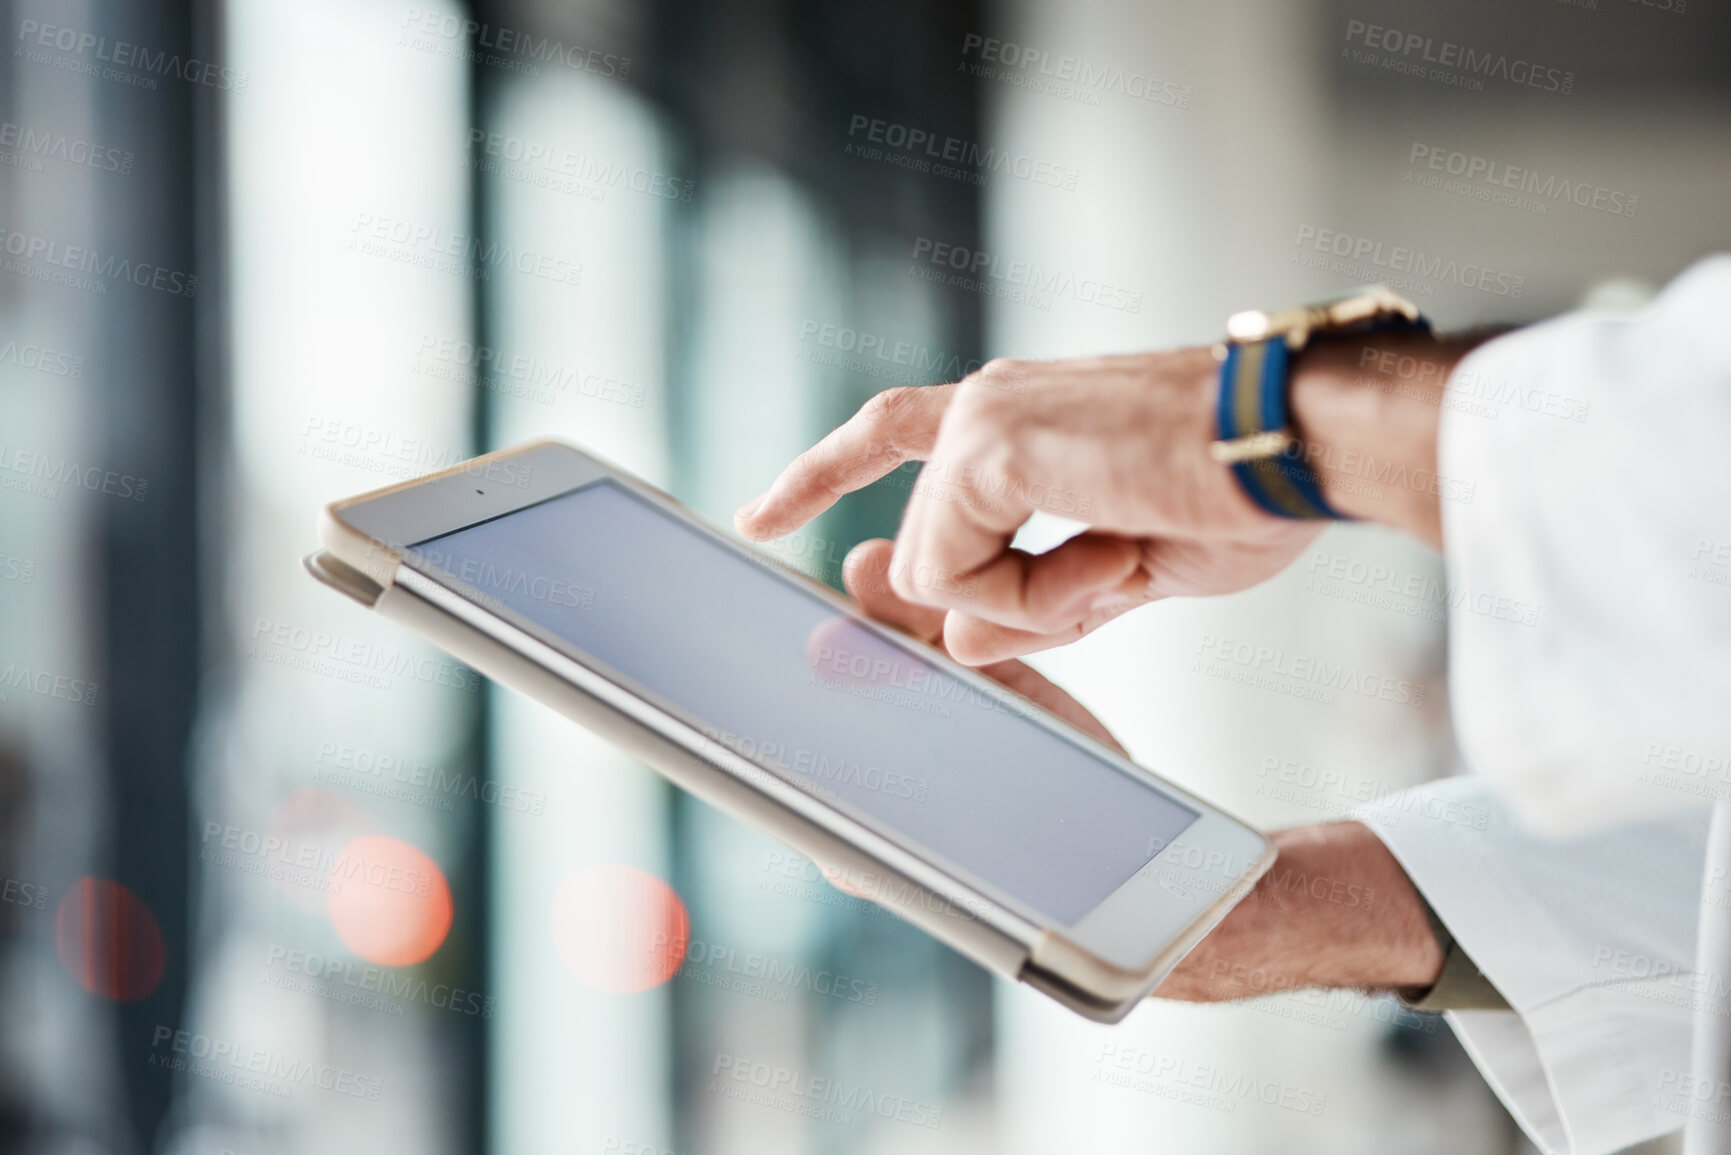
[(1256, 433)]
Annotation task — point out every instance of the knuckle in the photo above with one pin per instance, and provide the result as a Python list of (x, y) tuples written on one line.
[(1002, 375), (993, 389), (892, 408)]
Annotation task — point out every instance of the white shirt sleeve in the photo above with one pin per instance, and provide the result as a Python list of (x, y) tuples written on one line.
[(1591, 939), (1587, 540), (1589, 557)]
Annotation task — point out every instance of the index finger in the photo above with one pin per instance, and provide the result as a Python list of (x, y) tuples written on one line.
[(894, 427)]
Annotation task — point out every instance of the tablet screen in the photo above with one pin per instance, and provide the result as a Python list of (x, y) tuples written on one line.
[(765, 667)]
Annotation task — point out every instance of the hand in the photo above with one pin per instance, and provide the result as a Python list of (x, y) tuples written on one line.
[(866, 575), (1119, 442), (1335, 910)]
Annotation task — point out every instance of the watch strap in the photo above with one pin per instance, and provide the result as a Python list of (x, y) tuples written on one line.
[(1256, 431)]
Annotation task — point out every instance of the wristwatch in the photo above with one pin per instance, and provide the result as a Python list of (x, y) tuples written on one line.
[(1257, 436)]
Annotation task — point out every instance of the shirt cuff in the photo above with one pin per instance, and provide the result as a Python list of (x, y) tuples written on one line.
[(1461, 986)]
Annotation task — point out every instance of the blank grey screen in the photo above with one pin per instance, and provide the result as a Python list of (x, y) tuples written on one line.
[(772, 671)]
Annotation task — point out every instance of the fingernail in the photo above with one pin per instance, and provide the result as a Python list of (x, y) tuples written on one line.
[(744, 512)]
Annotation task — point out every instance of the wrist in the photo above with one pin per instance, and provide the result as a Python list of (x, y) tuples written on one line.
[(1367, 412), (1335, 910), (1351, 916)]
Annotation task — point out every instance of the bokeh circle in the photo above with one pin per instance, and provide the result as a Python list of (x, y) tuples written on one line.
[(108, 940), (388, 901), (619, 929)]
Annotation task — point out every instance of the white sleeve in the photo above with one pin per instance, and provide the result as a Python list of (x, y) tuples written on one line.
[(1589, 556), (1590, 939)]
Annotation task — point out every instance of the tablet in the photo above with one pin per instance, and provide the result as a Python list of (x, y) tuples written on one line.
[(911, 780)]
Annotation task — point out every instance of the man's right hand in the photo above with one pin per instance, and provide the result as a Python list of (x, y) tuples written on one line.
[(1118, 442)]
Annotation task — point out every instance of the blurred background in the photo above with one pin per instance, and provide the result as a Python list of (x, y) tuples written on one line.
[(263, 254)]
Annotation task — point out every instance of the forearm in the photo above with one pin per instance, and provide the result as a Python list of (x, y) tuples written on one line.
[(1336, 910), (1367, 413)]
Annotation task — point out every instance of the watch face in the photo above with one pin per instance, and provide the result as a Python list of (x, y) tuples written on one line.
[(1377, 303)]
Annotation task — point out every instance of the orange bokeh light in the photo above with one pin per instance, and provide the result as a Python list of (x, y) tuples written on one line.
[(388, 901), (108, 940), (619, 929)]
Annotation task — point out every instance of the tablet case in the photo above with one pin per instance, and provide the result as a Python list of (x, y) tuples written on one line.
[(1052, 964)]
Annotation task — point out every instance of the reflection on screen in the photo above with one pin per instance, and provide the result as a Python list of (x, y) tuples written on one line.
[(772, 671)]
